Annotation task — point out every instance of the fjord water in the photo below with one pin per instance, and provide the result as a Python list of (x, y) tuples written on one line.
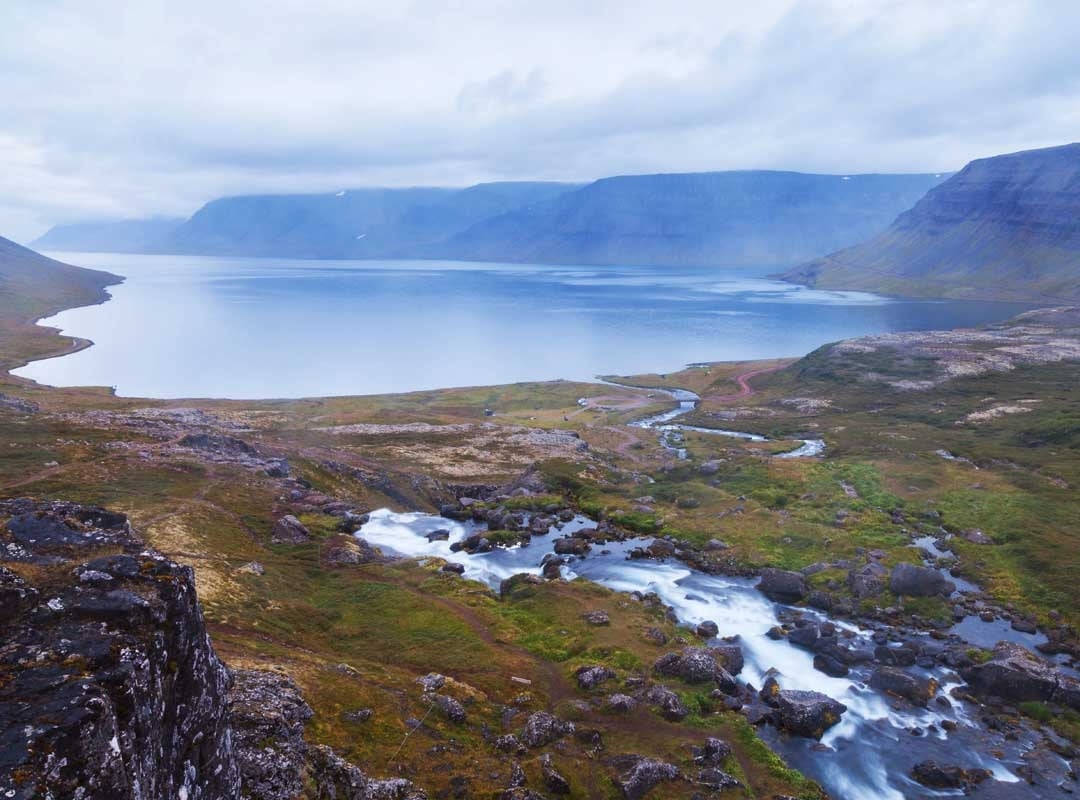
[(193, 326)]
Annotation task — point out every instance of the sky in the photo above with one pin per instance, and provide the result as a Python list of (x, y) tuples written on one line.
[(122, 109)]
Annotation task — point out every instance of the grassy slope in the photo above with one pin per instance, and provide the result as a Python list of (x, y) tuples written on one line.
[(33, 286), (310, 619), (357, 637)]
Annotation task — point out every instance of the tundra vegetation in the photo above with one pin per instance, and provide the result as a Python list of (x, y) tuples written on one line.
[(914, 443)]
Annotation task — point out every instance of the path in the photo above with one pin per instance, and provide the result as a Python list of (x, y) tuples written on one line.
[(745, 389)]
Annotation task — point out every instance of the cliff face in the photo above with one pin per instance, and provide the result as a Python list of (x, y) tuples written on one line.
[(111, 690), (110, 687), (1003, 228), (715, 218), (710, 218)]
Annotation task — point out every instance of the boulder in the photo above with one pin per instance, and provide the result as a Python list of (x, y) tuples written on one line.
[(1013, 674), (915, 689), (644, 775), (717, 779), (707, 629), (731, 656), (553, 779), (543, 728), (807, 714), (621, 703), (289, 530), (914, 581), (712, 753), (572, 546), (667, 703), (830, 666), (782, 586), (589, 677), (939, 776), (597, 617)]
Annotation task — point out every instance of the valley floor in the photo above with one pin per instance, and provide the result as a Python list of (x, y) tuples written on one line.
[(969, 437)]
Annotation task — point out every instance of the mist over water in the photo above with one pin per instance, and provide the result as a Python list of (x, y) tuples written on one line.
[(192, 326)]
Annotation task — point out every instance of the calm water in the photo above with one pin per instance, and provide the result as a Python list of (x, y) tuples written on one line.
[(184, 326)]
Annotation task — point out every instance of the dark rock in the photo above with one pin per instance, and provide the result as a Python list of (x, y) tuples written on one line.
[(731, 656), (358, 716), (782, 586), (553, 779), (589, 677), (713, 752), (456, 569), (717, 779), (667, 703), (937, 776), (914, 689), (621, 703), (806, 636), (451, 708), (597, 617), (707, 629), (441, 535), (510, 744), (915, 581), (830, 666), (543, 728), (572, 546), (867, 581), (644, 775), (656, 636), (289, 530), (808, 714), (1013, 674), (895, 656)]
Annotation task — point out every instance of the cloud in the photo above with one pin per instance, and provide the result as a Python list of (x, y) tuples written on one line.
[(118, 109)]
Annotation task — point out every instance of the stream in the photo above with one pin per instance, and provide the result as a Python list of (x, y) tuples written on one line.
[(671, 432), (867, 756)]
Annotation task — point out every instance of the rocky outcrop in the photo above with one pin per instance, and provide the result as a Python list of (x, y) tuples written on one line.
[(267, 713), (111, 690)]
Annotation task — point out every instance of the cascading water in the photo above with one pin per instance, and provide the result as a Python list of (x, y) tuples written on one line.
[(866, 757)]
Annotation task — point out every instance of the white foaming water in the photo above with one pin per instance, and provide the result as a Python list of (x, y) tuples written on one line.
[(867, 755)]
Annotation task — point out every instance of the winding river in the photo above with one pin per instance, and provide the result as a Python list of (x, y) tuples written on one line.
[(867, 756)]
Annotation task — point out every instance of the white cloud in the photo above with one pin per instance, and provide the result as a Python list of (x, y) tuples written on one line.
[(116, 109)]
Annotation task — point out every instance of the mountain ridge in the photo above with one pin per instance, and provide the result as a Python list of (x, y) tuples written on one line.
[(759, 217), (1003, 228)]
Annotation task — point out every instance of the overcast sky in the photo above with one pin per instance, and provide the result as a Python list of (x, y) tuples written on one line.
[(125, 109)]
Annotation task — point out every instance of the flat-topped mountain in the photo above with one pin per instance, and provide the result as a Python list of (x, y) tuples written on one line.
[(114, 236), (721, 218), (1003, 228)]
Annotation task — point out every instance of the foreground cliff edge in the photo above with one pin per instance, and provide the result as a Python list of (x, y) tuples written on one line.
[(951, 457)]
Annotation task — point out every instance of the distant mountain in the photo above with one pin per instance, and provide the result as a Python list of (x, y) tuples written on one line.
[(114, 236), (1003, 228), (362, 223), (716, 218), (721, 218)]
